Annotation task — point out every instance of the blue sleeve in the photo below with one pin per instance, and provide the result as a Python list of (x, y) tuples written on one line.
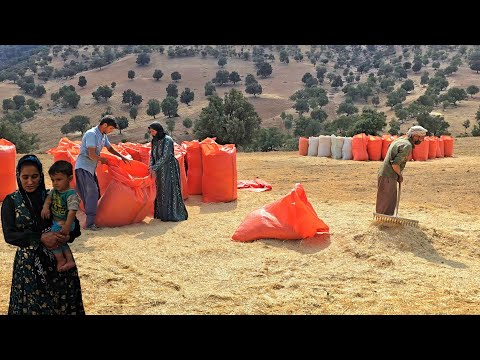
[(90, 140), (107, 142)]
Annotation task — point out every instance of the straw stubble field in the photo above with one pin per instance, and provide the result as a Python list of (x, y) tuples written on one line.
[(193, 267)]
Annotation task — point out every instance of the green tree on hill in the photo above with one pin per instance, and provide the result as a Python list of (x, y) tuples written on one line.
[(82, 81), (153, 107), (187, 96), (169, 106), (24, 142), (176, 76), (209, 88), (131, 74), (157, 74), (79, 123), (254, 89), (133, 112), (143, 59), (232, 119), (172, 90), (122, 122)]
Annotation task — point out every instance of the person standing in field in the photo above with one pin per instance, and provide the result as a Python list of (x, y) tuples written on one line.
[(390, 171)]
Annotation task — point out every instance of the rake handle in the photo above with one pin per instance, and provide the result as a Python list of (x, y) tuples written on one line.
[(398, 198)]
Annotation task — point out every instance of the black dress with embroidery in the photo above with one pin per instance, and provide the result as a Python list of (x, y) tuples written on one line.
[(37, 288), (169, 205)]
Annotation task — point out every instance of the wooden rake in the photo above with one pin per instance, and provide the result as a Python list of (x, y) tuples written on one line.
[(395, 219)]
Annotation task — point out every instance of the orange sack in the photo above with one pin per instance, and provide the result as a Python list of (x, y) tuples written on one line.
[(129, 197), (420, 152), (448, 145), (303, 146), (359, 147), (67, 150), (374, 148), (8, 179), (432, 146), (219, 172), (289, 218)]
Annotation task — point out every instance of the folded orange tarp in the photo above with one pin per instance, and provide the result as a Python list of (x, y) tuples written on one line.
[(256, 185), (291, 217)]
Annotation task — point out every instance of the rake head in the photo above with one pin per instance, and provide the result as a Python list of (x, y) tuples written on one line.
[(395, 220)]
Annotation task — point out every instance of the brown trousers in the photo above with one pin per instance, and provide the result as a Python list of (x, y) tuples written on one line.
[(386, 195)]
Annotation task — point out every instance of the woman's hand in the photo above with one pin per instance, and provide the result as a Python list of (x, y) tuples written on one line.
[(45, 213), (53, 240)]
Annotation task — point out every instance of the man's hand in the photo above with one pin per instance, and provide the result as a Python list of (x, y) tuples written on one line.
[(103, 160), (400, 178), (125, 159)]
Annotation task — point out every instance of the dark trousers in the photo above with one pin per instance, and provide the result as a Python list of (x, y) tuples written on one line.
[(386, 195), (89, 191)]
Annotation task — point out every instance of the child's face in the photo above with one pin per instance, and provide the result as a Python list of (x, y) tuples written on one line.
[(61, 182)]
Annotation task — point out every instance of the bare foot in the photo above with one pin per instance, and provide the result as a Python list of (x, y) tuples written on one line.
[(67, 266)]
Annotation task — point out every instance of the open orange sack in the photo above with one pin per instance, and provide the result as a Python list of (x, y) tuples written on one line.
[(66, 150), (289, 218), (8, 179), (129, 196)]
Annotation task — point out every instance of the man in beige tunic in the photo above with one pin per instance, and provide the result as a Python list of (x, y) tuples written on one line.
[(391, 170)]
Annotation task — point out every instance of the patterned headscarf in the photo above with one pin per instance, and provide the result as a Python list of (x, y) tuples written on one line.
[(159, 128), (34, 200), (417, 130)]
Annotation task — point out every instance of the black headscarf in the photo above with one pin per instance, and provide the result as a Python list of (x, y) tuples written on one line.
[(33, 200), (159, 128)]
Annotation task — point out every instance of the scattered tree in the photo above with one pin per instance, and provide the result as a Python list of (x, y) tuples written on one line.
[(153, 107), (157, 74), (187, 96)]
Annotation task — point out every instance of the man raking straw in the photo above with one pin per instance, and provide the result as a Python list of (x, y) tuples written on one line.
[(391, 172)]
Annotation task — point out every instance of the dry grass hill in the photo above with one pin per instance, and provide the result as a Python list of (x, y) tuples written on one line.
[(196, 71)]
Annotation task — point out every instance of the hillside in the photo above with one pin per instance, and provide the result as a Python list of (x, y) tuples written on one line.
[(196, 71)]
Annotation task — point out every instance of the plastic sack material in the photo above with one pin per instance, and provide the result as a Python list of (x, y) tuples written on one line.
[(312, 146), (359, 147), (337, 146), (66, 150), (194, 164), (8, 179), (440, 148), (289, 218), (374, 148), (420, 152), (303, 146), (129, 196), (448, 145), (256, 185), (324, 146), (219, 176), (387, 139), (347, 149), (432, 146)]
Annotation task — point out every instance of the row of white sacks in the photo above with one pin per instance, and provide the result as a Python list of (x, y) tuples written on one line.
[(336, 147)]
